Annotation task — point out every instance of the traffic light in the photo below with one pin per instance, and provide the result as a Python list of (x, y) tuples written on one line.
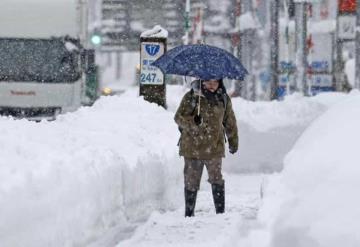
[(96, 38)]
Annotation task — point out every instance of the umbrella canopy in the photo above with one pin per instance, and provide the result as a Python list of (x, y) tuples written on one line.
[(202, 61)]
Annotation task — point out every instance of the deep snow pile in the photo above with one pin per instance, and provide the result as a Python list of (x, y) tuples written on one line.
[(268, 130), (94, 171), (67, 182), (314, 202)]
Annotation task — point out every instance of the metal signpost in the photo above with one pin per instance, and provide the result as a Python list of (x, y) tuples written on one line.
[(235, 42), (274, 52), (152, 80), (187, 22), (286, 65), (346, 32), (300, 46)]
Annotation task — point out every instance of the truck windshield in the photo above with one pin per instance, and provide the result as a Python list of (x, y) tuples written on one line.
[(37, 60)]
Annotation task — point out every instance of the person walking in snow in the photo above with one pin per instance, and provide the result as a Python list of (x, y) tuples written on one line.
[(205, 118)]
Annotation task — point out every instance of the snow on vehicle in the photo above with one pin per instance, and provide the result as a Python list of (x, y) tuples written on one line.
[(45, 66)]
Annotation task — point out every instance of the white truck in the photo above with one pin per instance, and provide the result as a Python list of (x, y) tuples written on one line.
[(45, 66)]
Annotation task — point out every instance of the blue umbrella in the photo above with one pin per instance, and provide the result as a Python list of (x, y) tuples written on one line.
[(202, 61)]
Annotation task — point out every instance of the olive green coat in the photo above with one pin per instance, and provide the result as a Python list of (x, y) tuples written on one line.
[(205, 141)]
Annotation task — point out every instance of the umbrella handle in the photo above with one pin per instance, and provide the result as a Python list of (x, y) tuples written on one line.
[(199, 97), (199, 105)]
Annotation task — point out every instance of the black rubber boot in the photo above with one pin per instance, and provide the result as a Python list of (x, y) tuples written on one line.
[(218, 192), (190, 201)]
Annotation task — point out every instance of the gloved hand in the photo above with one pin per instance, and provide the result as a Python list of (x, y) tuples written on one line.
[(198, 119), (232, 150)]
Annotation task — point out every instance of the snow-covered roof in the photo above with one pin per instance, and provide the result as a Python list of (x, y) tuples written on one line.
[(156, 32), (38, 18)]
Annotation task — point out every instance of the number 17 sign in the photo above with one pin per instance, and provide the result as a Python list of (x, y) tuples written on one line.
[(150, 75)]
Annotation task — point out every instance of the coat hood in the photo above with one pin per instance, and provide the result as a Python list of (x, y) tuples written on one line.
[(196, 87)]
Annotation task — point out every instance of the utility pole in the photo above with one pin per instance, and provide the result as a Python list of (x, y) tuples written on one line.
[(301, 7), (287, 48), (235, 40), (248, 49), (346, 31), (244, 50), (357, 47), (187, 22), (274, 50)]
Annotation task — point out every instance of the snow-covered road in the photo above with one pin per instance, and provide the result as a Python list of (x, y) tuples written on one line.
[(206, 228)]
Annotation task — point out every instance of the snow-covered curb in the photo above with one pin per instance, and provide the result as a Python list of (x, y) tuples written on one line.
[(66, 182)]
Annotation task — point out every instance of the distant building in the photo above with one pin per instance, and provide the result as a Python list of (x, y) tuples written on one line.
[(122, 21)]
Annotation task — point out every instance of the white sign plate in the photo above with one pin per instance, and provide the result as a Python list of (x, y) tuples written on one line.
[(284, 80), (322, 80), (316, 80), (150, 75), (347, 24), (320, 58)]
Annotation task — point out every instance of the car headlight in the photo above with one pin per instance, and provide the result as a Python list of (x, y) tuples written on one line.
[(107, 91)]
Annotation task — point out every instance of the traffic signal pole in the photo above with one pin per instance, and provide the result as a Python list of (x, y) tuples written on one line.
[(274, 50), (187, 28)]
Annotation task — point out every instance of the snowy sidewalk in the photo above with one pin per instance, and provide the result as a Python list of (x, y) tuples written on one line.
[(206, 228)]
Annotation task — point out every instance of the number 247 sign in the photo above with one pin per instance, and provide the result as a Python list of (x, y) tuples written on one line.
[(150, 75)]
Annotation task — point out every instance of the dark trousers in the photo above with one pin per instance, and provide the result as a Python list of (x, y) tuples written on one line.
[(193, 171)]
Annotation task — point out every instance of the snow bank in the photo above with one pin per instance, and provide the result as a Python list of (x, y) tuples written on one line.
[(100, 169), (268, 130), (314, 202), (67, 182)]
